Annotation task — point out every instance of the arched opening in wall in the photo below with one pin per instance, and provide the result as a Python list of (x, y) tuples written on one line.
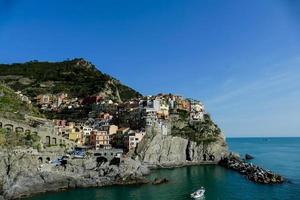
[(115, 161), (9, 127), (101, 160), (40, 159), (19, 129), (204, 157), (47, 142), (48, 159), (63, 163)]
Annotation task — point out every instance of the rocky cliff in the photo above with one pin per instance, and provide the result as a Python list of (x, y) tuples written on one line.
[(185, 143), (44, 177)]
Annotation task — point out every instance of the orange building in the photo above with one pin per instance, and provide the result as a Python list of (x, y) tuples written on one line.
[(100, 139), (184, 105)]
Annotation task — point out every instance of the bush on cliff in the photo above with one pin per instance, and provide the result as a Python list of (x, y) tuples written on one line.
[(204, 131)]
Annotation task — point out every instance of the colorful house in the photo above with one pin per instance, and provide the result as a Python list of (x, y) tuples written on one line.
[(133, 139), (100, 139)]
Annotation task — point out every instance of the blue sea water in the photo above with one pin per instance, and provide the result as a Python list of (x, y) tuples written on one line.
[(281, 155)]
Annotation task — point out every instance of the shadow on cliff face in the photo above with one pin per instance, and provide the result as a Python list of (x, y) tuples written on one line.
[(187, 151)]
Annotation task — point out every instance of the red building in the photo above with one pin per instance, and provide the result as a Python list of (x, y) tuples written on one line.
[(91, 100)]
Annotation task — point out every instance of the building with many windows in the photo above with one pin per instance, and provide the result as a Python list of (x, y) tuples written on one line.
[(100, 139)]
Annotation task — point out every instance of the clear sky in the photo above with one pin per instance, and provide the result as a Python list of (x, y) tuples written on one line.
[(241, 58)]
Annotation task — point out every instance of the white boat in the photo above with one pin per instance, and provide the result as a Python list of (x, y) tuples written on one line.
[(198, 194)]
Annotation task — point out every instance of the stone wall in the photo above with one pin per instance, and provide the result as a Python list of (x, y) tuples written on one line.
[(46, 132)]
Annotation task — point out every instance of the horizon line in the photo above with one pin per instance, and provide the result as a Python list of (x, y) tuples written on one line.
[(263, 137)]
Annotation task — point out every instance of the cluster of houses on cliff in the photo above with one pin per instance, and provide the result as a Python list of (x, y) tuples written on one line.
[(52, 102), (112, 124), (99, 136)]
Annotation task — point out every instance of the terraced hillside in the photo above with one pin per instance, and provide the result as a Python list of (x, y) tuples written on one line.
[(12, 107), (76, 77)]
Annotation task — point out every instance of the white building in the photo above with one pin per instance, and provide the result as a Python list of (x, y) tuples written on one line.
[(87, 130), (134, 138)]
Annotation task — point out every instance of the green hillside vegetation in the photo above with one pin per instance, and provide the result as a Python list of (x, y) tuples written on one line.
[(204, 131), (11, 105), (76, 77)]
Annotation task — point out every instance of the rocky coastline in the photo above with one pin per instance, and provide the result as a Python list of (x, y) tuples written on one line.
[(252, 172), (163, 152), (77, 173), (83, 173)]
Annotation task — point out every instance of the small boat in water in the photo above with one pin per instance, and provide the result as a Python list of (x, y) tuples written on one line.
[(198, 194)]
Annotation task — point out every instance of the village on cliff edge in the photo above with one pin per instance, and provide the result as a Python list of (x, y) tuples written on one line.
[(117, 142)]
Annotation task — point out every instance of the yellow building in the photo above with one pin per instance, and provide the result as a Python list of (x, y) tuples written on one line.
[(111, 129), (164, 111), (76, 135)]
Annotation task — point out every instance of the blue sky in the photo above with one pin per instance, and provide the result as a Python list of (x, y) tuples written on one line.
[(241, 58)]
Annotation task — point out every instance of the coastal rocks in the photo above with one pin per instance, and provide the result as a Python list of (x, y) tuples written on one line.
[(252, 172), (158, 181), (25, 184), (234, 155), (83, 173), (132, 181), (248, 157)]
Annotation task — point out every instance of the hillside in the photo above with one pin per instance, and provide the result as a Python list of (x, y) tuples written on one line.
[(13, 107), (76, 77)]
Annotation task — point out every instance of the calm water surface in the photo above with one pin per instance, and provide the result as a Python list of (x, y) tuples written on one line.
[(281, 155)]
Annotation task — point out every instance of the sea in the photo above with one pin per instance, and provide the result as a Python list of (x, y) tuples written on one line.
[(281, 155)]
